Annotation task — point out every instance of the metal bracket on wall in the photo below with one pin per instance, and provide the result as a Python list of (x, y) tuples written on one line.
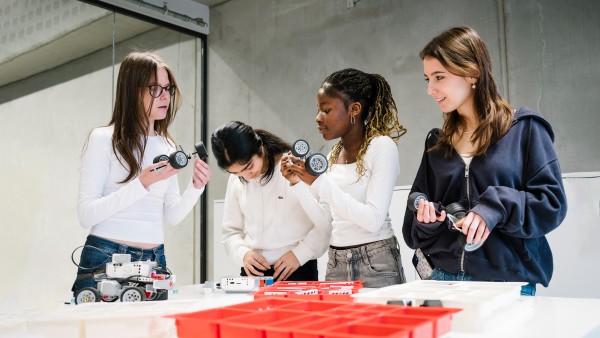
[(351, 3), (185, 14)]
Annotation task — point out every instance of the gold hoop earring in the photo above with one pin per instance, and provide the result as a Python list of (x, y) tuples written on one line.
[(352, 119)]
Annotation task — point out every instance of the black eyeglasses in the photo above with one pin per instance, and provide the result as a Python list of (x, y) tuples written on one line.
[(156, 90)]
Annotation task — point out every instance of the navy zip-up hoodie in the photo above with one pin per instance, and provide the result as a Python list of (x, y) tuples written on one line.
[(516, 187)]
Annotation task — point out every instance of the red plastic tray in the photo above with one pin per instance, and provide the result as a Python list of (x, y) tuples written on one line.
[(326, 290), (292, 318)]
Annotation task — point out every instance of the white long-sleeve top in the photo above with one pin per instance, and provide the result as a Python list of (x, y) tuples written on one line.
[(128, 211), (360, 208), (273, 219)]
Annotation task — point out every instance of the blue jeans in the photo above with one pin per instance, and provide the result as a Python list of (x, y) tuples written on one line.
[(98, 251), (439, 274), (377, 264)]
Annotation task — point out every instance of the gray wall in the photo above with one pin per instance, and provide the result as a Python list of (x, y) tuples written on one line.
[(267, 59)]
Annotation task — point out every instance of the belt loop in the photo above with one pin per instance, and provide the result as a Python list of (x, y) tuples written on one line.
[(364, 253)]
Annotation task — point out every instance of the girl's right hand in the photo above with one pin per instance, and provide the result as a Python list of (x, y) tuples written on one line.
[(254, 262), (427, 213), (151, 175), (288, 174)]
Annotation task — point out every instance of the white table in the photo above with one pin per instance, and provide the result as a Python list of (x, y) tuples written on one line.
[(546, 317), (535, 317)]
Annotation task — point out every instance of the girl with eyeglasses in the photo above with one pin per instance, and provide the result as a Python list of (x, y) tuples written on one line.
[(123, 195), (270, 228)]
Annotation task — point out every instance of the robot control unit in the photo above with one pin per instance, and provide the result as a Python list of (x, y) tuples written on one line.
[(128, 281)]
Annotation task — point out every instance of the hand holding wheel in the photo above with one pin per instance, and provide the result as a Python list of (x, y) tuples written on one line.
[(454, 212), (179, 159), (315, 164)]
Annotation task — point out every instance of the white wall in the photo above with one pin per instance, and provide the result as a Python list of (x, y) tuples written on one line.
[(45, 121), (575, 242)]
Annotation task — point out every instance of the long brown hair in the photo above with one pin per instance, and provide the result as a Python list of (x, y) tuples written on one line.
[(129, 118), (462, 52), (379, 113)]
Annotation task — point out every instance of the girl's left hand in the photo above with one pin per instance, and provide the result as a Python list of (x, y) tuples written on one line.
[(201, 174), (474, 227), (285, 266)]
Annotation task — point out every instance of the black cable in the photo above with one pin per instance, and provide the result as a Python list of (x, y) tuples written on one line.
[(88, 246)]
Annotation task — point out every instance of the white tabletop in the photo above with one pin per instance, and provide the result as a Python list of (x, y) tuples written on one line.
[(544, 317), (527, 317)]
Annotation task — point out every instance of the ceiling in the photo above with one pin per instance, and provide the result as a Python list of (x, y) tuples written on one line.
[(87, 39)]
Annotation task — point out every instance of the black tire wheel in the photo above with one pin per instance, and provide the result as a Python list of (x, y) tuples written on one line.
[(316, 164), (160, 158), (201, 151), (133, 294), (300, 148), (178, 159), (87, 295), (413, 200)]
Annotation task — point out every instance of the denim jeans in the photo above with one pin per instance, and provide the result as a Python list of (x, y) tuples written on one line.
[(98, 251), (439, 274), (377, 264)]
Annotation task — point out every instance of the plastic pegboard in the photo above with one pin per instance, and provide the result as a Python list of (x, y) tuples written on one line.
[(283, 317), (326, 290)]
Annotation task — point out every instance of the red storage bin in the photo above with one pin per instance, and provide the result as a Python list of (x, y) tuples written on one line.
[(312, 290), (418, 327), (203, 323), (354, 330), (316, 328), (266, 303), (288, 328), (440, 316), (289, 318), (254, 325), (312, 306)]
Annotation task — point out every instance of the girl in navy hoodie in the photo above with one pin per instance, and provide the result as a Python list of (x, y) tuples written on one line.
[(496, 163)]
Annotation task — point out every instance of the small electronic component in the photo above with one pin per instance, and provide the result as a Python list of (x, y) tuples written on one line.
[(244, 283)]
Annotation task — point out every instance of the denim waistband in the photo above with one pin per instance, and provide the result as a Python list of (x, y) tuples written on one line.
[(103, 243), (360, 252)]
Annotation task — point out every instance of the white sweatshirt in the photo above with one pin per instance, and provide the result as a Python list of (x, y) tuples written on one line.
[(360, 209), (273, 219), (128, 211)]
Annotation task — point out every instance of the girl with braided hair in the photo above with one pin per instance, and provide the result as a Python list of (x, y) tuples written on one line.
[(358, 109)]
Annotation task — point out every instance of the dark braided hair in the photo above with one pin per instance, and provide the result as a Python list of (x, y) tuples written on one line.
[(379, 113), (237, 142)]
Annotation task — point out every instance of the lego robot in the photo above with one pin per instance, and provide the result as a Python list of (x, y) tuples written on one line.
[(129, 281)]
